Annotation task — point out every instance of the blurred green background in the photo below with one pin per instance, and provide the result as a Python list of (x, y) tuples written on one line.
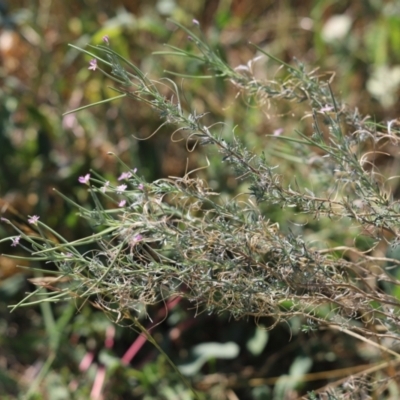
[(42, 348)]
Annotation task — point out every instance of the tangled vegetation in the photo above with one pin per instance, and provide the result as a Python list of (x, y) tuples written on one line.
[(177, 237)]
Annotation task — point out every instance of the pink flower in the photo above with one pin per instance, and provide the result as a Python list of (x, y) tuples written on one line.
[(195, 22), (121, 203), (140, 186), (106, 39), (15, 241), (93, 64), (84, 179), (137, 238), (124, 175), (278, 131), (326, 109), (121, 188), (33, 220)]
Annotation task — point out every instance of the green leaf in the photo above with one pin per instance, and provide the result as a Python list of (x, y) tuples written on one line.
[(206, 351), (257, 343)]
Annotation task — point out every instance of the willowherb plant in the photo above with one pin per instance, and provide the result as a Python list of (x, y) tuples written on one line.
[(176, 237)]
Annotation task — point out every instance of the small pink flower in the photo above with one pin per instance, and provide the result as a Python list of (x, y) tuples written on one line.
[(106, 39), (326, 109), (134, 170), (195, 22), (137, 238), (278, 131), (121, 203), (15, 241), (33, 220), (93, 64), (121, 188), (124, 175), (140, 186), (84, 179)]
